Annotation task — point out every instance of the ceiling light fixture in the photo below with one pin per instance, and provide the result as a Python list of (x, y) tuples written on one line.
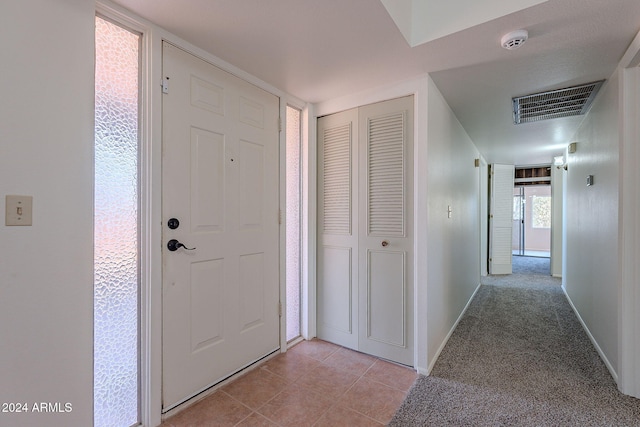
[(514, 39)]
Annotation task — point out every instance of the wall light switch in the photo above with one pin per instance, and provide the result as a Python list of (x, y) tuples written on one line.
[(19, 210)]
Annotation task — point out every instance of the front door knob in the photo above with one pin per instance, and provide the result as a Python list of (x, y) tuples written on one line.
[(173, 245)]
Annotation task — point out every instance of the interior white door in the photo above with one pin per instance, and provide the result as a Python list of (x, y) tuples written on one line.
[(386, 230), (365, 235), (337, 292), (501, 219), (220, 181)]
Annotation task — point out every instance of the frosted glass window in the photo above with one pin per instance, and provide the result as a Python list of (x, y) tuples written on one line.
[(541, 212), (293, 223), (116, 382)]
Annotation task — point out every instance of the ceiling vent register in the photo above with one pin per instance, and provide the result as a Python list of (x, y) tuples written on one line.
[(571, 101)]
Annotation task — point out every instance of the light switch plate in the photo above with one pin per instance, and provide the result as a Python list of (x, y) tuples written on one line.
[(19, 210)]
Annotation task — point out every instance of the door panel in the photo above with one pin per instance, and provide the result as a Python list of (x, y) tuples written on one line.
[(207, 181), (221, 181), (206, 321), (386, 298), (251, 286), (336, 292), (250, 177)]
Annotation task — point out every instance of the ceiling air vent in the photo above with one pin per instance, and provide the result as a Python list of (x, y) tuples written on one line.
[(571, 101)]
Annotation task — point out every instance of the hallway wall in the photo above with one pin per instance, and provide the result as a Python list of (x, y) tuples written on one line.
[(46, 270), (453, 243), (591, 221)]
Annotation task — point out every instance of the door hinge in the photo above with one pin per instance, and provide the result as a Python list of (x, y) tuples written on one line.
[(279, 309), (279, 124), (165, 85), (279, 216)]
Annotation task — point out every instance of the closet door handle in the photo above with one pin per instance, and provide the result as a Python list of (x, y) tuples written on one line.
[(385, 243)]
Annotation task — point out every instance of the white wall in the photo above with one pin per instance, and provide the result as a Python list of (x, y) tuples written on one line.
[(46, 270), (592, 223), (453, 243)]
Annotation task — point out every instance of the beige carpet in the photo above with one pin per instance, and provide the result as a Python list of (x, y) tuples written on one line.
[(519, 357)]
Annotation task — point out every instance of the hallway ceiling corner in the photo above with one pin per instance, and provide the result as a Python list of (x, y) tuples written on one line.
[(323, 50), (422, 21)]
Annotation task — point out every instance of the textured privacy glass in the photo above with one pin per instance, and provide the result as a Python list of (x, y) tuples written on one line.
[(293, 223), (116, 227), (541, 212)]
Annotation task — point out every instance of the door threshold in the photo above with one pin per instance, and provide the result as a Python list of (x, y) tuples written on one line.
[(209, 390)]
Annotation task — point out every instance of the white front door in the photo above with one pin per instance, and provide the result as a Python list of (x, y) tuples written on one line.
[(220, 182), (365, 229)]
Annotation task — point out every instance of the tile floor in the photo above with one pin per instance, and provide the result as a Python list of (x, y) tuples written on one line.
[(315, 383)]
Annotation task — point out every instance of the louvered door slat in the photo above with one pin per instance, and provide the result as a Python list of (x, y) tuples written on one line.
[(386, 159), (337, 180)]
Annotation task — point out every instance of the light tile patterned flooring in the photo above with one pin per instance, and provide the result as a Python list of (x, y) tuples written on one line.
[(315, 383)]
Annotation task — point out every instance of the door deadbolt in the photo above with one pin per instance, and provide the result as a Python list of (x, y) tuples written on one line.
[(173, 223)]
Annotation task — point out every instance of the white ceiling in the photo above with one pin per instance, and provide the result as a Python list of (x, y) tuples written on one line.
[(322, 49), (422, 21)]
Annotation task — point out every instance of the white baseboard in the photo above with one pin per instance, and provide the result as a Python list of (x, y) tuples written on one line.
[(446, 339), (608, 364)]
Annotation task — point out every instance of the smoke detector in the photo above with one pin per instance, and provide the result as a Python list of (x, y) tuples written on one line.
[(514, 39)]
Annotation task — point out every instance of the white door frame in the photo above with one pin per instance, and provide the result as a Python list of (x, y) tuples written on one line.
[(629, 227), (483, 213)]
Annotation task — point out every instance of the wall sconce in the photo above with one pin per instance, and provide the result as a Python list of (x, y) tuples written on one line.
[(559, 162)]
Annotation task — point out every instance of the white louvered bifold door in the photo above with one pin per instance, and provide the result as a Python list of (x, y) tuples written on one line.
[(337, 286), (365, 236), (501, 219), (385, 228)]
